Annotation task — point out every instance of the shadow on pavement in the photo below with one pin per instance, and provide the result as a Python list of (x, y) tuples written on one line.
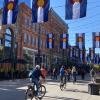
[(60, 98), (76, 90)]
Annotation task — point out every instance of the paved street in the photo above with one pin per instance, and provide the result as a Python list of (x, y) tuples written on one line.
[(15, 90)]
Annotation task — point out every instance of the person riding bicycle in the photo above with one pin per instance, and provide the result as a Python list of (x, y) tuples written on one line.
[(62, 73), (35, 76)]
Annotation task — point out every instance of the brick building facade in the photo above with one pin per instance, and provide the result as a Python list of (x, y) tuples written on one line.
[(25, 36)]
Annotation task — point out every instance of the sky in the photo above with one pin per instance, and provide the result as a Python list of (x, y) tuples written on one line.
[(87, 25)]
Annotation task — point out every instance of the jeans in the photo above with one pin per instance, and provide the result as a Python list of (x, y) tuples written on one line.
[(36, 83)]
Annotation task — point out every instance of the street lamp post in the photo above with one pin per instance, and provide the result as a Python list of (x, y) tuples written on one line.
[(1, 48), (14, 47), (38, 55)]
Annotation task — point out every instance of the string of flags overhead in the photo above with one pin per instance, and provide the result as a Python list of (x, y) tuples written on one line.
[(74, 9)]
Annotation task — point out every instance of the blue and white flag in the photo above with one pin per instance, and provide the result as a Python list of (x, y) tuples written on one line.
[(92, 54), (96, 39), (75, 9), (10, 11), (40, 10), (81, 56), (80, 40), (63, 41), (50, 41)]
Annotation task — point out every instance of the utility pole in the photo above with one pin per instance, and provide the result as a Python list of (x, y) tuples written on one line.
[(38, 55)]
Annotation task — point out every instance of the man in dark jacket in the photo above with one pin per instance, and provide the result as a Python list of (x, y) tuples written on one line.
[(35, 75)]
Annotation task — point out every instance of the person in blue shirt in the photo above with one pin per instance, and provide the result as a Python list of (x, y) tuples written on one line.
[(62, 73)]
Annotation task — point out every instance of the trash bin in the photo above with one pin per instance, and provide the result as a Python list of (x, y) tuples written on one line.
[(93, 89)]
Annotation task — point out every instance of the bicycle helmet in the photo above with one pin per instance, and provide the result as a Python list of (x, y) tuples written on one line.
[(38, 66)]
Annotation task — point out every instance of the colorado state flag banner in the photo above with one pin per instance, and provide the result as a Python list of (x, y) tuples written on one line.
[(50, 41), (40, 9), (97, 59), (75, 9), (91, 54), (63, 41), (80, 40), (10, 11), (96, 39)]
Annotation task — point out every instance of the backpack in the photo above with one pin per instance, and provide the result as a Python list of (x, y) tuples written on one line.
[(30, 74), (61, 72), (92, 72)]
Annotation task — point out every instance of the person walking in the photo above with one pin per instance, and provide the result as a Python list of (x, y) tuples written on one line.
[(55, 74), (74, 74), (92, 75), (69, 74)]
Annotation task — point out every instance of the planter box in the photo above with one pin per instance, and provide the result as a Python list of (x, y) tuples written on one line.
[(94, 88)]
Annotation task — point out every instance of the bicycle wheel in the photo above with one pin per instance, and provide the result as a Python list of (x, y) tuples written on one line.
[(41, 92), (61, 86), (29, 94)]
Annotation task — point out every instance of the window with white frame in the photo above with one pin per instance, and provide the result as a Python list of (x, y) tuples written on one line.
[(36, 42), (41, 43), (29, 39), (32, 41), (25, 38), (8, 38), (33, 27)]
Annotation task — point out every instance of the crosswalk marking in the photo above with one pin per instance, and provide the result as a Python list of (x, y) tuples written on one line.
[(4, 89)]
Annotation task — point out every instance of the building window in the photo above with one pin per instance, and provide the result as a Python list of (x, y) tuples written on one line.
[(33, 41), (37, 27), (33, 28), (44, 44), (29, 39), (36, 42), (25, 38), (41, 43), (8, 38), (26, 22)]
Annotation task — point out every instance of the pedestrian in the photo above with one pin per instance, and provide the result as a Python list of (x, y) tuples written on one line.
[(55, 73), (69, 73), (92, 75), (65, 76), (44, 72), (74, 74)]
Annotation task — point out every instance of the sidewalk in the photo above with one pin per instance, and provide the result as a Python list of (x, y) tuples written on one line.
[(77, 91)]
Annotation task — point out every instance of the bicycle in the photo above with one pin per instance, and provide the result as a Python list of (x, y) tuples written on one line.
[(32, 93), (63, 83)]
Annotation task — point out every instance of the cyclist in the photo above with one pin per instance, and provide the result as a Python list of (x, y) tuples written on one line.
[(62, 72), (35, 75)]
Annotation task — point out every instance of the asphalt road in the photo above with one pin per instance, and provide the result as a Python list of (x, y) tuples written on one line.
[(9, 90), (15, 90)]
